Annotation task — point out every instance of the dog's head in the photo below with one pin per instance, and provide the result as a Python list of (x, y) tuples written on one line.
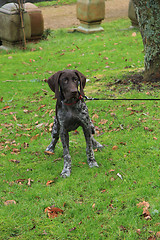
[(65, 84)]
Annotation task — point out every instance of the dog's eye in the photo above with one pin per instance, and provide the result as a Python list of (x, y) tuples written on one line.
[(75, 79), (65, 80)]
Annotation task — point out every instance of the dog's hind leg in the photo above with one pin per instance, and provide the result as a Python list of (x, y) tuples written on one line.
[(89, 149), (94, 142), (55, 136)]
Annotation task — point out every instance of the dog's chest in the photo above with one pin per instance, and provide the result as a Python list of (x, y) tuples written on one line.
[(71, 117)]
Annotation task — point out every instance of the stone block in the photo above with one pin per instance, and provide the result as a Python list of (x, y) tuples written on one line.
[(10, 27)]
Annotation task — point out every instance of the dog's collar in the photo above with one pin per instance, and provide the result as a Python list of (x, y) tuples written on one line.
[(72, 103)]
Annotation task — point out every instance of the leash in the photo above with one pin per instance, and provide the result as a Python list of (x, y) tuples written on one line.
[(122, 99)]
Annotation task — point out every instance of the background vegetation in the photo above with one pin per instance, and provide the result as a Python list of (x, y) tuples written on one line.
[(120, 199)]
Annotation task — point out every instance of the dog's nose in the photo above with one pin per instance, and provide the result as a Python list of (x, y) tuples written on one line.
[(74, 92)]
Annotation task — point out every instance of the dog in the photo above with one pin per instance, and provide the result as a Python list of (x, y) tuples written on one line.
[(71, 112)]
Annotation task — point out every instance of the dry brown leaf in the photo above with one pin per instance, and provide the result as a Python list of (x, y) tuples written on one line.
[(104, 190), (134, 34), (72, 229), (15, 151), (158, 234), (112, 179), (49, 182), (115, 147), (42, 106), (154, 138), (95, 116), (103, 121), (14, 161), (53, 211), (138, 231), (93, 206), (143, 204), (4, 108), (9, 202), (151, 238), (34, 137), (29, 182), (20, 181), (146, 213), (48, 152), (26, 111)]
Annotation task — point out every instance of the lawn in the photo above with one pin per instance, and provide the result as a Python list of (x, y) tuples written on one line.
[(118, 200), (55, 3)]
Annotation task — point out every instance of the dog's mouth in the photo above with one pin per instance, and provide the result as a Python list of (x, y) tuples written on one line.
[(71, 97)]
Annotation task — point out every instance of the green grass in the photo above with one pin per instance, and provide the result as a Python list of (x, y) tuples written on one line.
[(97, 203), (55, 3)]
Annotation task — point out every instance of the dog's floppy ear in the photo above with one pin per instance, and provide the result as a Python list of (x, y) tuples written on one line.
[(53, 83), (82, 80)]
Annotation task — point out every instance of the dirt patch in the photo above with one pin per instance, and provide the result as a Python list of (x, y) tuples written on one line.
[(65, 16)]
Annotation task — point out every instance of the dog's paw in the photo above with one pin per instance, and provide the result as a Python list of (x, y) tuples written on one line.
[(92, 164), (96, 144), (50, 148), (65, 173)]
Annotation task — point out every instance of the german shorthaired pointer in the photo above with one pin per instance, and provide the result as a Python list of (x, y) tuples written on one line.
[(71, 112)]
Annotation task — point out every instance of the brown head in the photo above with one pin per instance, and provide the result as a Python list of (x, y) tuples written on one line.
[(65, 84)]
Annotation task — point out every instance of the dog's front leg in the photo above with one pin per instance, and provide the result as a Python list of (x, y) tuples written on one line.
[(55, 136), (67, 158), (89, 148)]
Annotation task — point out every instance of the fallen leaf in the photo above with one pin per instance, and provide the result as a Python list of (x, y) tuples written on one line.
[(20, 181), (95, 116), (129, 109), (42, 106), (29, 182), (34, 137), (104, 190), (112, 170), (49, 182), (9, 202), (115, 147), (14, 161), (93, 206), (40, 125), (112, 179), (14, 118), (143, 204), (134, 34), (123, 143), (146, 212), (158, 234), (151, 238), (72, 229), (53, 211), (6, 107), (138, 231), (122, 228), (26, 111), (44, 232), (15, 151), (48, 152), (103, 121)]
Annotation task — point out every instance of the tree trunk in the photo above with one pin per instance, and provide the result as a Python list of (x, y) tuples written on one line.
[(148, 14)]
